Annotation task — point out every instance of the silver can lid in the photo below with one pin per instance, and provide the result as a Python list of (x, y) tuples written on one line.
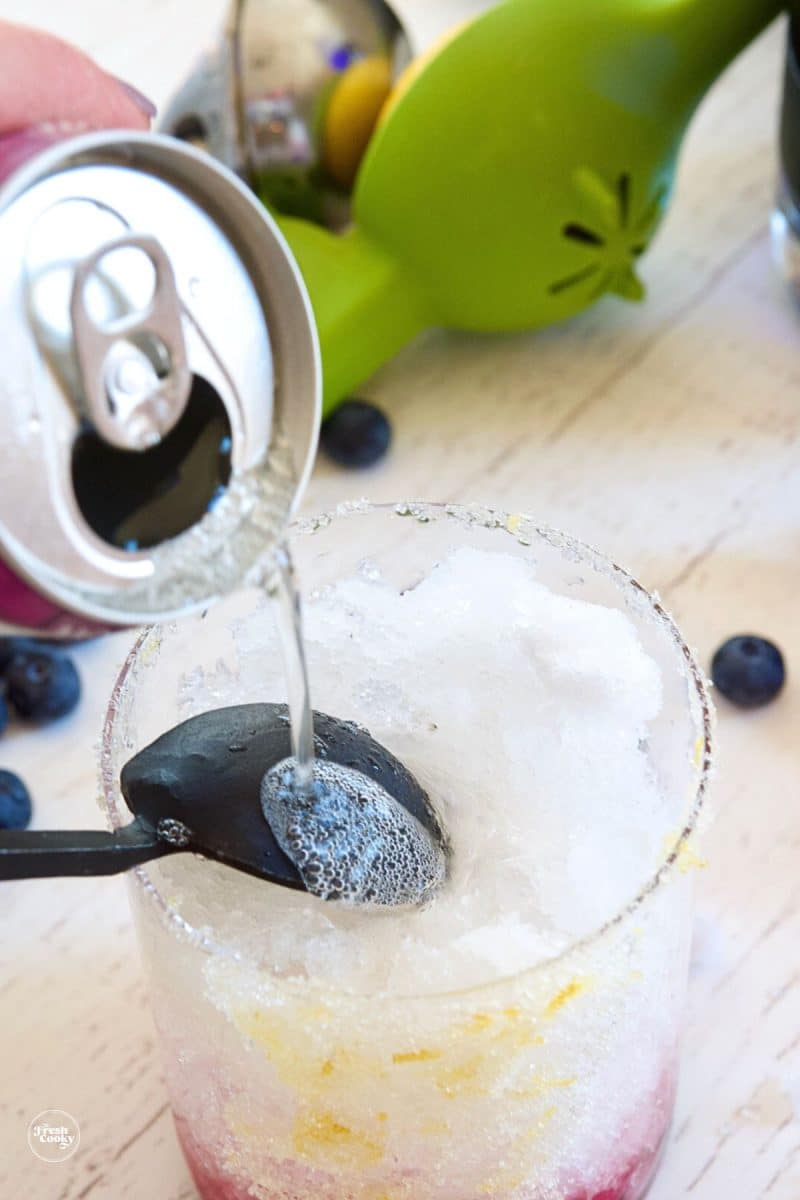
[(151, 317)]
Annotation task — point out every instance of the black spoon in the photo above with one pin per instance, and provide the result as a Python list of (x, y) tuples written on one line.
[(196, 789)]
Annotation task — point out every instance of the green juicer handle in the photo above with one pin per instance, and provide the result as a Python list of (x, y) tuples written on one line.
[(366, 305), (519, 176)]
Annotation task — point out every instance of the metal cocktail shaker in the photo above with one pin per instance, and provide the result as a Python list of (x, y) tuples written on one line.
[(159, 395), (289, 97)]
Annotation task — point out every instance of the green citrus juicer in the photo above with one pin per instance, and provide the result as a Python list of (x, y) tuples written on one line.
[(517, 172)]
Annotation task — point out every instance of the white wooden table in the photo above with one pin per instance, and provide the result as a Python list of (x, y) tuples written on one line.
[(668, 435)]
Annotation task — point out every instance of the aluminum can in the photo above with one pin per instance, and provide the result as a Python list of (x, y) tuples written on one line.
[(159, 389)]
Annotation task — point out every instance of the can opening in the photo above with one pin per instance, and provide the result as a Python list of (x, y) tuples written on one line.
[(135, 500)]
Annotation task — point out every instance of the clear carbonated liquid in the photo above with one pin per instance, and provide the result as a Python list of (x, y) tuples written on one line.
[(282, 589)]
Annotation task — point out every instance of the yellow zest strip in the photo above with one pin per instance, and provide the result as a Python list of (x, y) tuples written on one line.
[(416, 1056)]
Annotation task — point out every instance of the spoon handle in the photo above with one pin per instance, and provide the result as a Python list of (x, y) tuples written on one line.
[(42, 854)]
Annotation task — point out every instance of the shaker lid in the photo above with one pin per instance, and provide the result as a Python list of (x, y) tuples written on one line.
[(148, 303)]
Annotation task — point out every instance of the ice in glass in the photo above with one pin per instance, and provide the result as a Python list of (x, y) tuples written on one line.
[(517, 1037)]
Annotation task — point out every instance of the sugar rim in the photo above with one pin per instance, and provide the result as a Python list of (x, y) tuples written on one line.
[(524, 529)]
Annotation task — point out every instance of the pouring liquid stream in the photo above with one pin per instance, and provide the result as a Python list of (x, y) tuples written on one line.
[(283, 590)]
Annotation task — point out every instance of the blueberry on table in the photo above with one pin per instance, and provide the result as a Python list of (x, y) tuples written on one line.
[(42, 685), (748, 670), (357, 434), (9, 646), (15, 802)]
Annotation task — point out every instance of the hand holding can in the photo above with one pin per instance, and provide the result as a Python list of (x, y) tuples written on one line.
[(136, 413)]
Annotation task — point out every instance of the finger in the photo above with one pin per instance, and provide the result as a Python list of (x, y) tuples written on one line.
[(46, 82)]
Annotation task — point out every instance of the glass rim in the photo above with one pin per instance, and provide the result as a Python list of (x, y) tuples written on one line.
[(524, 528)]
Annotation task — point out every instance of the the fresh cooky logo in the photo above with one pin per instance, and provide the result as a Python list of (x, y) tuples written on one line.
[(54, 1135)]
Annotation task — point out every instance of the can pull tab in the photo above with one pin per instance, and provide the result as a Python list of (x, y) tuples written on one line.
[(134, 368)]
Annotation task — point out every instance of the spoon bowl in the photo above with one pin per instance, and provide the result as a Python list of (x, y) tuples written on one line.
[(197, 789)]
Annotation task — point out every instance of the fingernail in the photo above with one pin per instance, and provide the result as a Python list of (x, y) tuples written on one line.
[(141, 101)]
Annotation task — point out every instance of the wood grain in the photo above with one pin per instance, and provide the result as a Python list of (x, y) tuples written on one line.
[(667, 434)]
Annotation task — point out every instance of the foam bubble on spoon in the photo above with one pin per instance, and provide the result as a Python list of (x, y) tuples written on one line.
[(349, 839)]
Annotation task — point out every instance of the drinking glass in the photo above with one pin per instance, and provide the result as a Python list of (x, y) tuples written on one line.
[(554, 1083)]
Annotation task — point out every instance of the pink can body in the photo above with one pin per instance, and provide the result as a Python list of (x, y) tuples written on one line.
[(23, 610)]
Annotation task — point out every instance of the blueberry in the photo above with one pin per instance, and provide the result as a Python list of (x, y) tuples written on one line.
[(15, 802), (748, 670), (357, 435), (42, 684), (9, 646)]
